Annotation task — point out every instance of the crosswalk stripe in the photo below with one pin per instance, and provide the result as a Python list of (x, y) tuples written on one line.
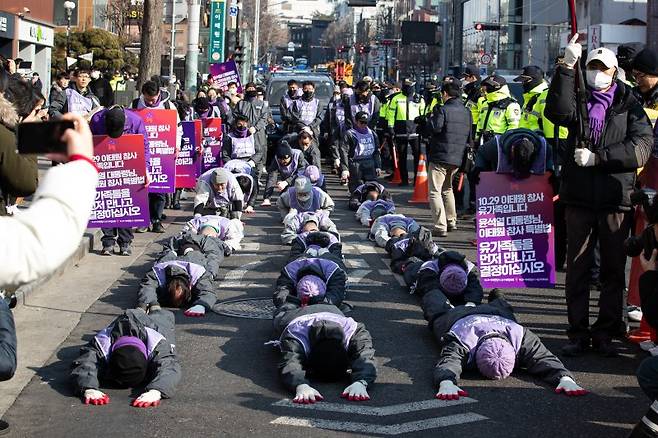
[(377, 411)]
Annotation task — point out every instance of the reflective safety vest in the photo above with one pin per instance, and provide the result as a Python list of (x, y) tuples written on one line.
[(533, 116), (436, 100), (402, 112), (500, 113)]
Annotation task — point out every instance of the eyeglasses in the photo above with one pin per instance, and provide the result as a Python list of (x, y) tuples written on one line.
[(84, 77)]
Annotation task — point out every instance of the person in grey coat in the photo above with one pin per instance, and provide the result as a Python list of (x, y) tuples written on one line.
[(487, 337), (212, 248), (320, 341), (179, 281), (135, 349), (258, 112)]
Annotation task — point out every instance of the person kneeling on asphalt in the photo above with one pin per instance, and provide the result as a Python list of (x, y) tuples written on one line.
[(487, 337), (218, 192), (320, 341), (285, 167), (302, 198), (325, 273), (213, 249), (370, 210), (305, 142), (391, 226), (370, 191), (134, 351), (450, 272), (229, 231), (178, 282), (306, 222), (248, 183), (360, 154)]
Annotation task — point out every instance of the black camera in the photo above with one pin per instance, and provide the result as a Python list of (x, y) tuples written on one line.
[(646, 241)]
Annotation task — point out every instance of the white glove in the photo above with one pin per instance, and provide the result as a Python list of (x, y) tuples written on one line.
[(251, 164), (584, 157), (197, 215), (336, 162), (356, 392), (450, 391), (281, 185), (197, 310), (265, 203), (344, 174), (148, 399), (378, 172), (569, 387), (469, 304), (306, 395), (95, 397), (252, 130), (572, 52)]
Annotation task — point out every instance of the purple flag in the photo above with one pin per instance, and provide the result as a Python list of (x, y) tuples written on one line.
[(515, 231), (225, 73), (121, 198), (161, 126)]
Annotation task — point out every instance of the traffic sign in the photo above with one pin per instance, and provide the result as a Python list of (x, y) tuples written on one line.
[(486, 59), (233, 11)]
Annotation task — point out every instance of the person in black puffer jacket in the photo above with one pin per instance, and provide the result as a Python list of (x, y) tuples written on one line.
[(598, 176), (449, 131)]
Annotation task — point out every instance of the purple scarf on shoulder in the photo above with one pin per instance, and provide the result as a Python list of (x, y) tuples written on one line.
[(597, 106)]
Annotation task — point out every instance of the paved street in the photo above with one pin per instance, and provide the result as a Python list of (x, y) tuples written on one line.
[(230, 385)]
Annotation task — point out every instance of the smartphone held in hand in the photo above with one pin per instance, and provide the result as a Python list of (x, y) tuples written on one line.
[(43, 137)]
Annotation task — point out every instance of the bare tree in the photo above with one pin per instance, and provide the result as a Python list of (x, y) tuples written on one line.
[(273, 32), (151, 42), (338, 32)]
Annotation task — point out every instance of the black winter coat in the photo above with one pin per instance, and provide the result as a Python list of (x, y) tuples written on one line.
[(625, 146), (449, 131), (7, 342)]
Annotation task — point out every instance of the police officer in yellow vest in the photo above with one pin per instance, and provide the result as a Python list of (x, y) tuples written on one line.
[(474, 99), (645, 71), (500, 113), (535, 90), (403, 109)]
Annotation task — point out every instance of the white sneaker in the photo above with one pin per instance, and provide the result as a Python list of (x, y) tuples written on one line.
[(634, 313)]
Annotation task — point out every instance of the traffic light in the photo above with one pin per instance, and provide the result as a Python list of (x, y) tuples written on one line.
[(486, 26), (238, 54)]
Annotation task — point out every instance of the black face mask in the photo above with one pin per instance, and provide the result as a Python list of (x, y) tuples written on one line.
[(308, 95), (292, 93), (364, 98), (408, 90), (251, 94), (529, 85)]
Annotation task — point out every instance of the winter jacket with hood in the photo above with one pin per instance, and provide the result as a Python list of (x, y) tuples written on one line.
[(163, 103), (311, 154), (164, 371), (19, 174), (292, 371), (211, 247), (317, 242), (258, 112), (626, 144), (449, 131), (532, 355), (293, 225)]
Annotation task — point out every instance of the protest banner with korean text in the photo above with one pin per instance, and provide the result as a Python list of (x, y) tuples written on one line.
[(224, 73), (161, 126), (212, 151), (121, 198), (188, 162), (515, 235)]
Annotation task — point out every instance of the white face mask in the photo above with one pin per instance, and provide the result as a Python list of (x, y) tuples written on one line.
[(598, 80), (95, 74)]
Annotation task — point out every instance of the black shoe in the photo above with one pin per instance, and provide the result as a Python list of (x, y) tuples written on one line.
[(605, 348), (107, 250), (176, 206), (575, 348), (157, 228), (4, 427), (125, 250), (452, 227), (163, 216), (441, 234), (595, 284), (495, 294)]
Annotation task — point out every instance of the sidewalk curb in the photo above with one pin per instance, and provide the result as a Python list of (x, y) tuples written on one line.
[(89, 238)]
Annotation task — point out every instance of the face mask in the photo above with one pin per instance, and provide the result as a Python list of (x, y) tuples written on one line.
[(95, 75), (598, 80), (363, 98), (303, 197), (242, 131), (232, 91), (251, 94), (308, 95), (407, 90), (292, 93)]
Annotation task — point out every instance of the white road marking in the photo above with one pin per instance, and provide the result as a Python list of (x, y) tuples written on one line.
[(365, 248), (356, 263), (357, 277), (250, 246), (378, 411), (393, 429), (234, 278)]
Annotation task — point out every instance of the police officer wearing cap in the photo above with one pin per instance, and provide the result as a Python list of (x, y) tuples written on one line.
[(474, 100), (403, 109), (500, 112), (609, 139)]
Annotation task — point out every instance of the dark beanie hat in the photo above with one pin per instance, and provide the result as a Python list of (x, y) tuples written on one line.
[(128, 366), (646, 61), (283, 150), (201, 104), (115, 119)]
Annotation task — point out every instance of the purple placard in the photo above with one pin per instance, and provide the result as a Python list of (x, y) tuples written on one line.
[(225, 73), (121, 198), (515, 231), (161, 126), (212, 137), (188, 162)]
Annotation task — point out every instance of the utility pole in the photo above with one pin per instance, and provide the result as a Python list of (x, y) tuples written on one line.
[(254, 49), (172, 47), (151, 41), (444, 38), (530, 32), (192, 57)]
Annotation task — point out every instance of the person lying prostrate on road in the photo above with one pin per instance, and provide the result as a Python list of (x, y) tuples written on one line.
[(368, 211), (416, 248), (305, 141), (302, 198), (315, 243), (391, 226), (316, 177), (174, 281), (370, 191), (487, 337), (287, 165), (327, 269), (229, 231), (136, 350), (305, 222), (218, 192), (450, 272), (321, 342), (212, 248)]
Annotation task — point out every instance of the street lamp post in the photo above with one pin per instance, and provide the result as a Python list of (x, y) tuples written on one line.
[(68, 7)]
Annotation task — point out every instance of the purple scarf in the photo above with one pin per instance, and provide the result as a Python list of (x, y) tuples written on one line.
[(597, 106)]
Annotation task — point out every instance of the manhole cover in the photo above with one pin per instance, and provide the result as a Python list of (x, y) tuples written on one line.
[(252, 308)]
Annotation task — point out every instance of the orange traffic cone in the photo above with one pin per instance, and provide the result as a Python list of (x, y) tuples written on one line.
[(644, 333), (397, 179), (421, 191)]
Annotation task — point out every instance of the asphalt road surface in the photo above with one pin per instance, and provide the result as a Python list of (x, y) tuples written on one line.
[(230, 385)]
